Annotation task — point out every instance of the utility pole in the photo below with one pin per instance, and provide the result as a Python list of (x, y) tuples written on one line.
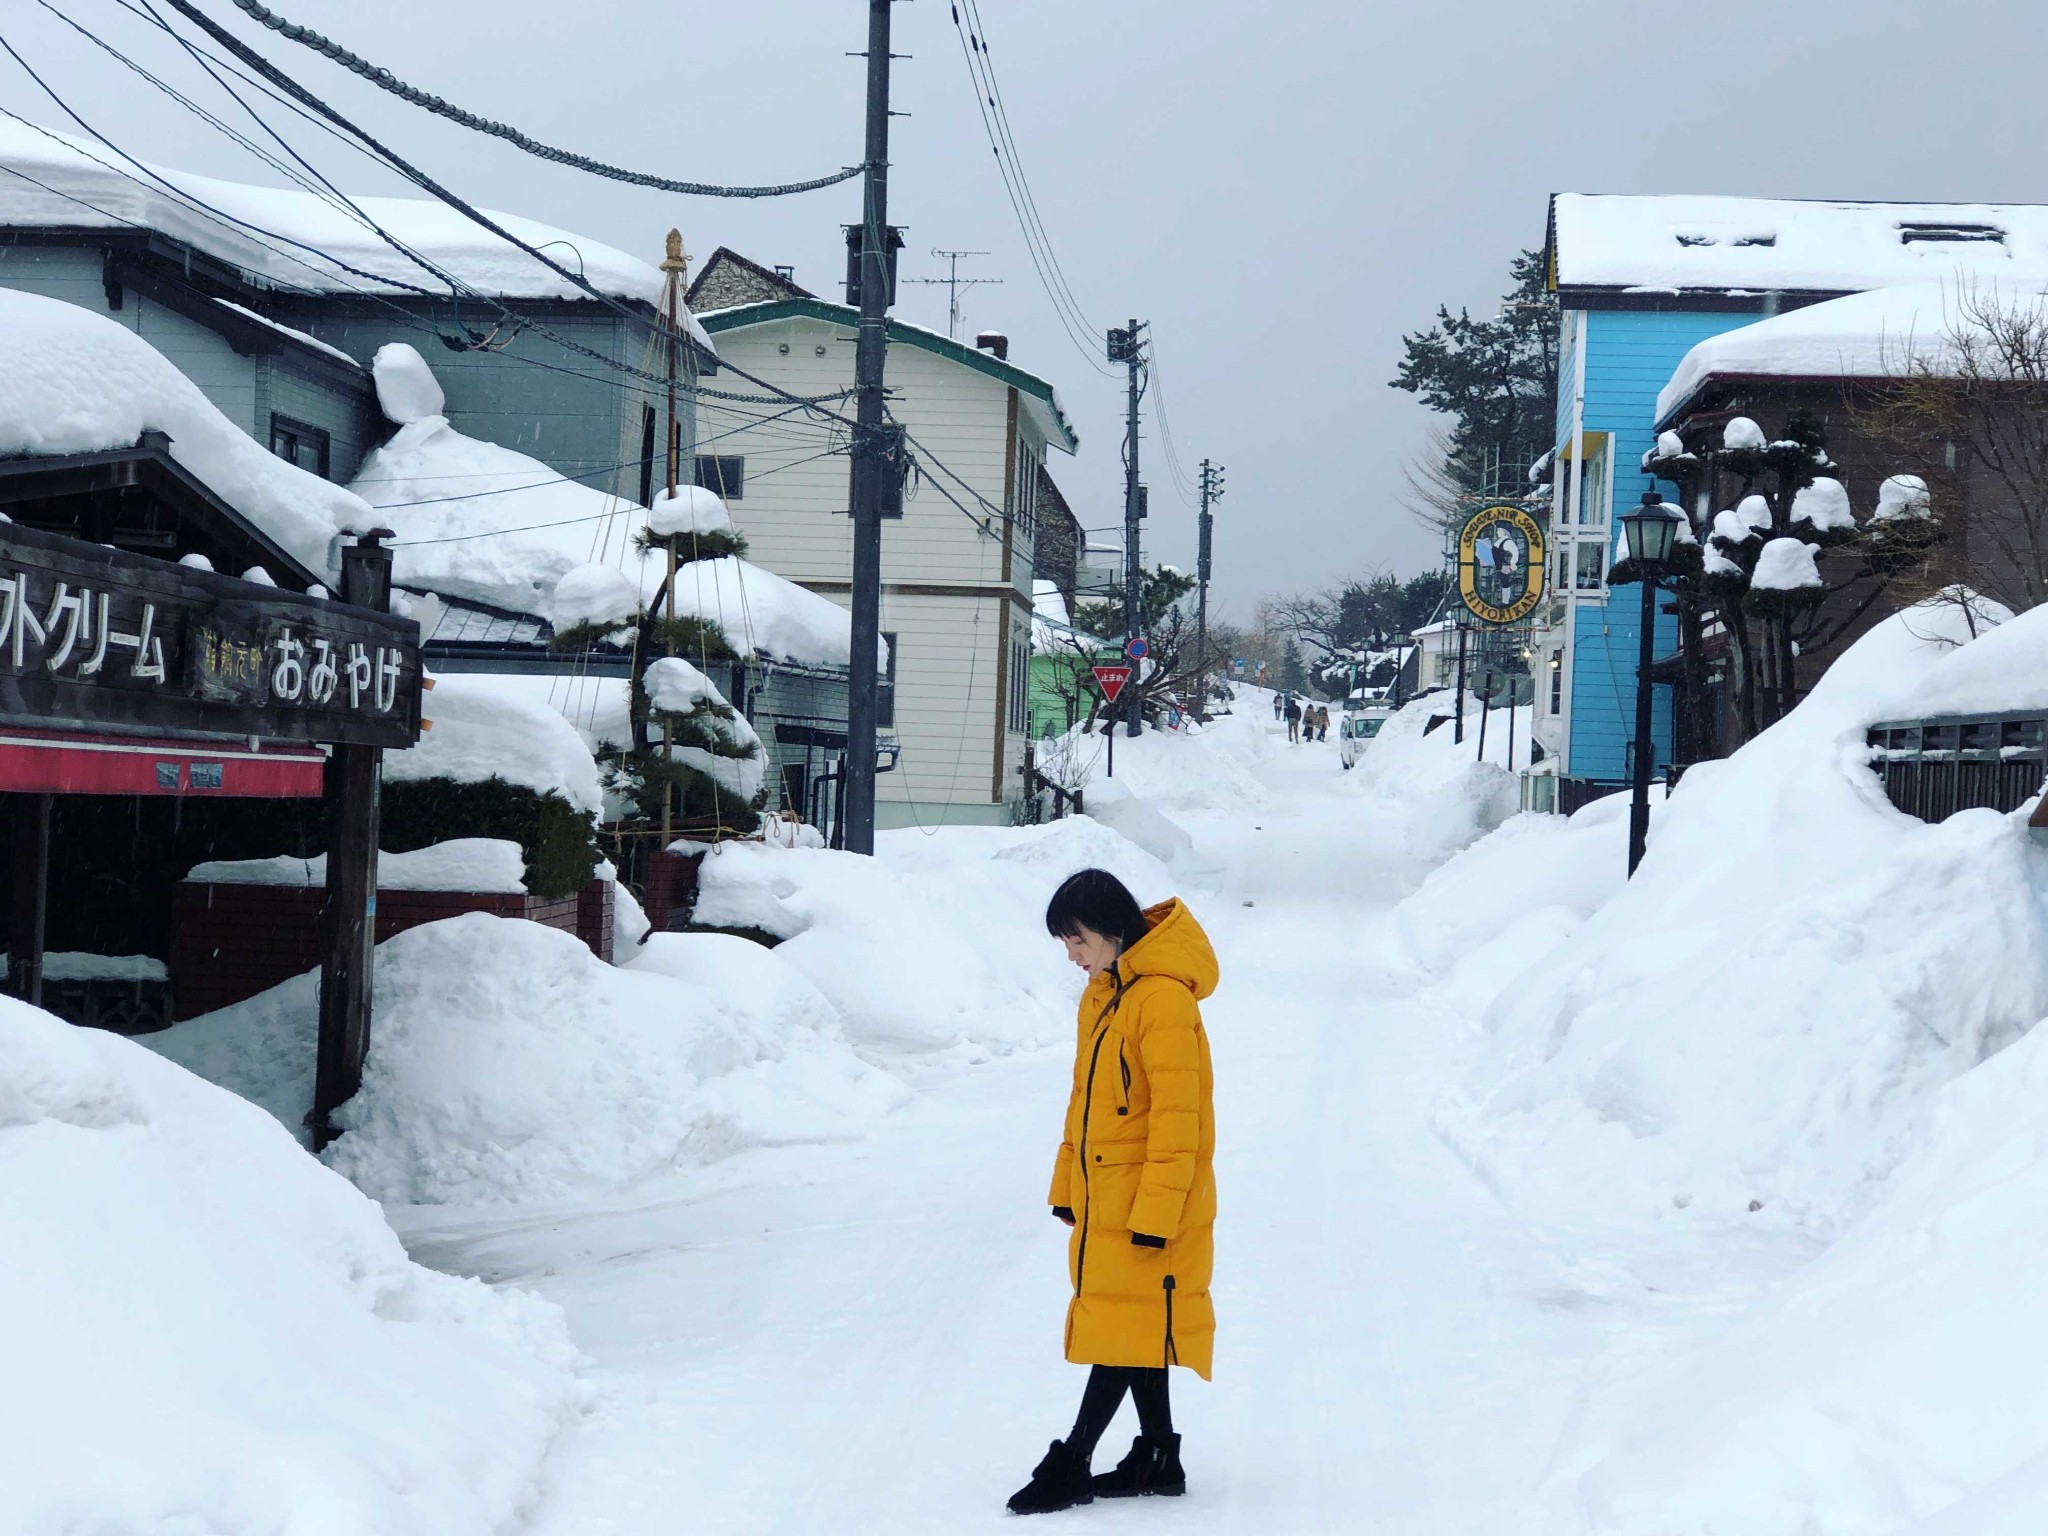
[(1127, 347), (955, 284), (1212, 492), (874, 455)]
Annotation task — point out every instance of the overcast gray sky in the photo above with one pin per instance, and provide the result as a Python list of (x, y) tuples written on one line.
[(1280, 190)]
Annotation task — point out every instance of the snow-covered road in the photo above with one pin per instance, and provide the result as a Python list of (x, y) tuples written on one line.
[(865, 1337)]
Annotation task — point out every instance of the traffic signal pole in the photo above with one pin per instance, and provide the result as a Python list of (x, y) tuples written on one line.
[(871, 458)]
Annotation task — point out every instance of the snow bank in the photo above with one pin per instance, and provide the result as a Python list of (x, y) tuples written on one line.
[(72, 381), (936, 945), (483, 733), (212, 1333), (460, 864), (1449, 797), (1902, 1376), (1204, 768), (82, 186), (1822, 964), (507, 1063)]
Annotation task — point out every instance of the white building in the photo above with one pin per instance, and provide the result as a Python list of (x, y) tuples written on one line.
[(956, 567)]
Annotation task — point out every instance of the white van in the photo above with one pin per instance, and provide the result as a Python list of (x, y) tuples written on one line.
[(1357, 729)]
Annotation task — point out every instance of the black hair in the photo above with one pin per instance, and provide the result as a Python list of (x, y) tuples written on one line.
[(1096, 900)]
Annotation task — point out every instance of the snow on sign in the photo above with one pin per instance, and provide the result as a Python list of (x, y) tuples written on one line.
[(1111, 680), (1501, 564)]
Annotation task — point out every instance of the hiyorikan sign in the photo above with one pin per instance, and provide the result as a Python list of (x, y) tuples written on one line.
[(1501, 564)]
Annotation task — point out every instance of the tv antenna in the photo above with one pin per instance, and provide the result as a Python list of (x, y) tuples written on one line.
[(955, 285)]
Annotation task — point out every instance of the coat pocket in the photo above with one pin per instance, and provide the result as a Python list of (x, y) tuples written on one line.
[(1111, 1153)]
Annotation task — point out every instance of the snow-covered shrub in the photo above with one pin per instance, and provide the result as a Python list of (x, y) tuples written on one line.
[(508, 1063)]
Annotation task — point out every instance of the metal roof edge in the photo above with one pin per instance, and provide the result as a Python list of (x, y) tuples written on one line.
[(769, 311)]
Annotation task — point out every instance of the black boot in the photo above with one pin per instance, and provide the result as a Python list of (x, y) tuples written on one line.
[(1059, 1482), (1153, 1467)]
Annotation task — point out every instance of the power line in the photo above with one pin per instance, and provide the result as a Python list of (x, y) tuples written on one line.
[(1079, 333), (384, 80), (426, 183)]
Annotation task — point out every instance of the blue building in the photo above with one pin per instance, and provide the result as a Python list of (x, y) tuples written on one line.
[(1640, 280)]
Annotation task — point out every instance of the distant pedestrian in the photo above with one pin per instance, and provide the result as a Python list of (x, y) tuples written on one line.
[(1279, 703), (1135, 1180), (1293, 719), (1322, 722)]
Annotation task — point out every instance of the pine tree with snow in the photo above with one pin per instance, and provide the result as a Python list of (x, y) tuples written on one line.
[(692, 753)]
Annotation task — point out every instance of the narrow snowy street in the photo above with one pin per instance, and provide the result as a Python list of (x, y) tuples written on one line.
[(865, 1337)]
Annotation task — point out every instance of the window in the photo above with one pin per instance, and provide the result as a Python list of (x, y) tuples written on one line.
[(1592, 565), (1557, 682), (1024, 494), (1020, 685), (297, 442), (1594, 478), (726, 477), (885, 696)]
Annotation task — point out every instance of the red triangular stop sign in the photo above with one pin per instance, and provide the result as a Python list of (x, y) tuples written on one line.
[(1112, 680)]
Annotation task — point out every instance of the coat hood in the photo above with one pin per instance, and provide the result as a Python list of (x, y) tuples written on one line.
[(1176, 947)]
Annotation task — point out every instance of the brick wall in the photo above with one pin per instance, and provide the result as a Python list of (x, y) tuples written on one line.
[(230, 942)]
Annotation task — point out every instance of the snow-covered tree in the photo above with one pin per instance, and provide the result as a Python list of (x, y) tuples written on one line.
[(1759, 562), (691, 754)]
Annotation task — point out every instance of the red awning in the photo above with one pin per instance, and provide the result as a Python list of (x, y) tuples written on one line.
[(35, 763)]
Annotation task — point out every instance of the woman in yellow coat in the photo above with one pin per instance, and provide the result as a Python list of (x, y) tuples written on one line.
[(1135, 1180)]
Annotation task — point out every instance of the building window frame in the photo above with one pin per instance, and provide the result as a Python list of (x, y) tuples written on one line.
[(299, 442), (723, 474), (885, 694)]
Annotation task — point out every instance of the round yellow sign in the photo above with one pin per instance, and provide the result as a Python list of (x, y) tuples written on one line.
[(1501, 564)]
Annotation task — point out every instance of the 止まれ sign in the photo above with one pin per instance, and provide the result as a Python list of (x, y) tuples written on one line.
[(99, 637), (1501, 564)]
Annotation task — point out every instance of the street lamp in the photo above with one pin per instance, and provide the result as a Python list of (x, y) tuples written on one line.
[(1649, 530)]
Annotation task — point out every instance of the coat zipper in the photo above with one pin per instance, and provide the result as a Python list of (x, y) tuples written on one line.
[(1124, 1108), (1170, 1355), (1088, 1104)]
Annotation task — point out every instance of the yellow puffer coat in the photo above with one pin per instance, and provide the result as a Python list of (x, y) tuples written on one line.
[(1139, 1155)]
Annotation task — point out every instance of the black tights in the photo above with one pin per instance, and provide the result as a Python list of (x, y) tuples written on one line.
[(1104, 1394)]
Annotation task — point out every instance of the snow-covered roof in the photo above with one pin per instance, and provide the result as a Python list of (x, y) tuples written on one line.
[(1762, 244), (73, 381), (483, 524), (84, 186), (1884, 333)]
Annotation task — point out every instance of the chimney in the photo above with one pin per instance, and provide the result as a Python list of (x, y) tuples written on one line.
[(996, 342), (787, 274)]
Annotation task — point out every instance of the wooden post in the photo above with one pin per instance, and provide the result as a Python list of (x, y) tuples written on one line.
[(31, 897), (348, 920)]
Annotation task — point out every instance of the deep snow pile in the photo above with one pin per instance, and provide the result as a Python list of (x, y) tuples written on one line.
[(1803, 1028), (1821, 964), (936, 945), (1436, 782), (209, 1332), (72, 381), (509, 1063)]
